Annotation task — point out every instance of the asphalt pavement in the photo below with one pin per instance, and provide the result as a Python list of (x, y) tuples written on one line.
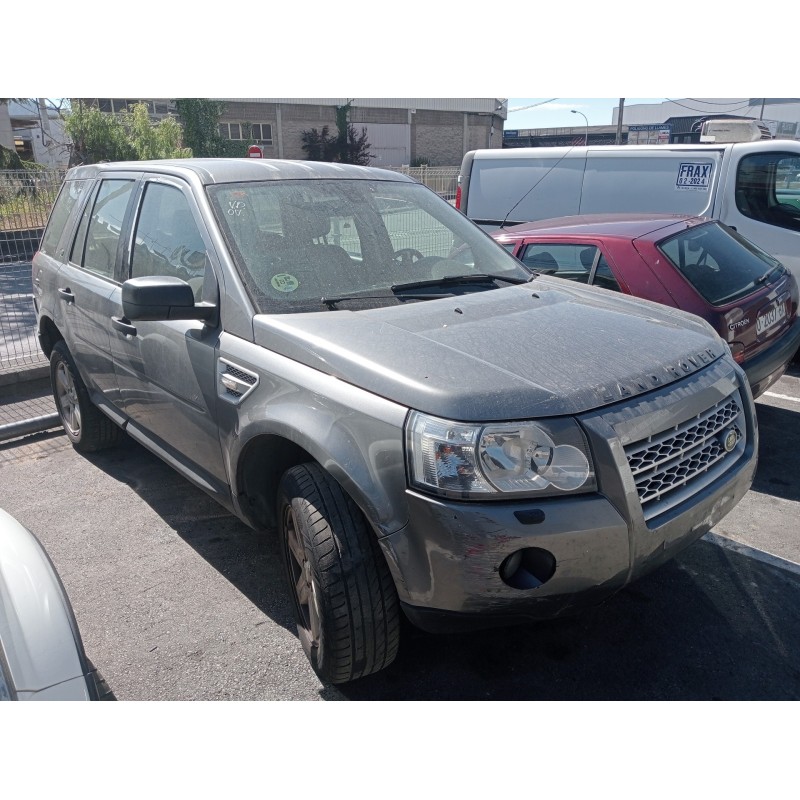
[(178, 600)]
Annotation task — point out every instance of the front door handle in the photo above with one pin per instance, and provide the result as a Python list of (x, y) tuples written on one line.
[(66, 294), (123, 325)]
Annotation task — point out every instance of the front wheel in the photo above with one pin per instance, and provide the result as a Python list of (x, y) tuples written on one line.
[(85, 425), (344, 599)]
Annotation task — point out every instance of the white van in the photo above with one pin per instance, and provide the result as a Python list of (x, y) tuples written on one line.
[(752, 186)]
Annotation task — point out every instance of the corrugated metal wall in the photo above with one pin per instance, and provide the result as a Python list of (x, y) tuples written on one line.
[(390, 144)]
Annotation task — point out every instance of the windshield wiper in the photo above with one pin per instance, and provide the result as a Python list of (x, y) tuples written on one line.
[(765, 276), (400, 289), (331, 302), (451, 280)]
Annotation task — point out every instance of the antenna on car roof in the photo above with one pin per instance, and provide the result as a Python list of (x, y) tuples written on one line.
[(505, 218)]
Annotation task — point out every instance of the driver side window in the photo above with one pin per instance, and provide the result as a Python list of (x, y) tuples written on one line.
[(167, 239), (768, 189)]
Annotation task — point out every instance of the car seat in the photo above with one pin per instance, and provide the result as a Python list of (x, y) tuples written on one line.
[(544, 262), (328, 266)]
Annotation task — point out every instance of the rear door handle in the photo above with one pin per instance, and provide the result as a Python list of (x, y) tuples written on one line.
[(66, 294), (122, 325)]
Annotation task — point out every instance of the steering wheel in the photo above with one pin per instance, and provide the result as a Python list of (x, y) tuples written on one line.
[(407, 256)]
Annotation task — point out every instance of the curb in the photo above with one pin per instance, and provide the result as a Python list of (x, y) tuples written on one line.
[(20, 407), (16, 381)]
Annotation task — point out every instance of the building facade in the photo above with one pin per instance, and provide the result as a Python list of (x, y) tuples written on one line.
[(780, 115), (34, 129), (670, 122), (400, 131)]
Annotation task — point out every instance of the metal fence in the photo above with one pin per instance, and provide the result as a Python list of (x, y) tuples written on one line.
[(18, 344), (443, 180), (26, 197)]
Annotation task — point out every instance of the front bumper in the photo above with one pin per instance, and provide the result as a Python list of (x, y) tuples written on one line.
[(447, 561)]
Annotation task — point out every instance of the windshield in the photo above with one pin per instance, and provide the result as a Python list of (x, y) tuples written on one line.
[(317, 244), (721, 265)]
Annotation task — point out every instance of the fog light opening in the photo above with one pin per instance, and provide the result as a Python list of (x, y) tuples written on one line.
[(528, 568)]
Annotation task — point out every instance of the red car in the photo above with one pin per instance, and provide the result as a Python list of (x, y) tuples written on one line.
[(692, 263)]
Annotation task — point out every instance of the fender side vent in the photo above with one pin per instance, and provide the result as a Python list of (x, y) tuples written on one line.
[(234, 382)]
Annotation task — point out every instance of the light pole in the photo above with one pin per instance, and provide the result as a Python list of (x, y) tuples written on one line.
[(618, 139), (586, 135)]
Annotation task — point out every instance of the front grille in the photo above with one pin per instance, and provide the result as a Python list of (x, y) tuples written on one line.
[(670, 466)]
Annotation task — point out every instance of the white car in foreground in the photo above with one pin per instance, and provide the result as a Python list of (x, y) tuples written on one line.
[(41, 652)]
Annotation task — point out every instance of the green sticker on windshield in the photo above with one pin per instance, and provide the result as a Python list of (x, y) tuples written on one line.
[(284, 282)]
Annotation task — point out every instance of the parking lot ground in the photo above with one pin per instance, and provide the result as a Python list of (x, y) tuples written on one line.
[(178, 600), (769, 517)]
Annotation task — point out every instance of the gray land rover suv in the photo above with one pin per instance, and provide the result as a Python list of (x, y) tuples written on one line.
[(336, 353)]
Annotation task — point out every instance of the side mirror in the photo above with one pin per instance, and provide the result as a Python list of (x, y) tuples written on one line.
[(161, 297)]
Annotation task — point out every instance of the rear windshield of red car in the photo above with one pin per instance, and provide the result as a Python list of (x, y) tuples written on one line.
[(719, 263)]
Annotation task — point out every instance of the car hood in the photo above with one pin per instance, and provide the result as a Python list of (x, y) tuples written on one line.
[(545, 348)]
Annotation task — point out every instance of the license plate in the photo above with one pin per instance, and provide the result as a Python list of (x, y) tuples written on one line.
[(772, 317)]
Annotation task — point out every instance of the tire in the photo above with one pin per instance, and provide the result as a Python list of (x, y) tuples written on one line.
[(344, 598), (85, 425)]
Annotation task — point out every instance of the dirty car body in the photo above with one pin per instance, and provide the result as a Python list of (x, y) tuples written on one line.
[(693, 263), (337, 353)]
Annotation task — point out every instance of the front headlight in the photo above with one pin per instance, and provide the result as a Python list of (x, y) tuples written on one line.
[(540, 459)]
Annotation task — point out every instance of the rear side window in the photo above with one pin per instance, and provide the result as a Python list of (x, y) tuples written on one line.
[(105, 226), (604, 277), (570, 261), (721, 265), (67, 199)]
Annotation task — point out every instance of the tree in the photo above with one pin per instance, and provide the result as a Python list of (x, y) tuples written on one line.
[(319, 145), (200, 121), (352, 147), (162, 140), (96, 136), (347, 147), (128, 136), (9, 159)]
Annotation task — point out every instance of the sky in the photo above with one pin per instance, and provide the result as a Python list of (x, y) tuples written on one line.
[(428, 50), (556, 112)]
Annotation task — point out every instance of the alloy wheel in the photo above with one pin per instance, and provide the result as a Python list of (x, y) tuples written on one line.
[(305, 588), (67, 394)]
